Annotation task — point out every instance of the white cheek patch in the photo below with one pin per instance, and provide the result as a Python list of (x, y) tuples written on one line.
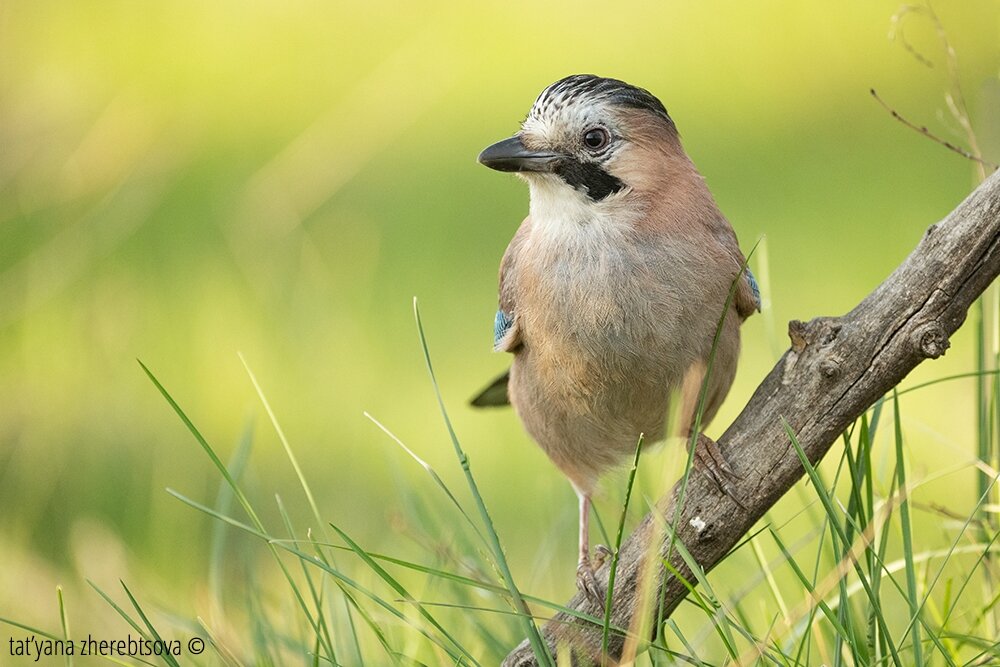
[(562, 132)]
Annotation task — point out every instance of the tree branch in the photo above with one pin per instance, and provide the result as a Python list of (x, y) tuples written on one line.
[(836, 368)]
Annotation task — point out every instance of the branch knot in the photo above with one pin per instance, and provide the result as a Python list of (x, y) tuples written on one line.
[(830, 368), (930, 340)]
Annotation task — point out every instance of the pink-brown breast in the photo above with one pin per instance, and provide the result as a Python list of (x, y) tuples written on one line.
[(609, 323)]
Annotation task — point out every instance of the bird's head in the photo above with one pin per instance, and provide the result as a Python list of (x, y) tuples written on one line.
[(592, 141)]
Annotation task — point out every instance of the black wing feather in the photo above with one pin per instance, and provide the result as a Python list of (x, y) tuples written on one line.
[(494, 395)]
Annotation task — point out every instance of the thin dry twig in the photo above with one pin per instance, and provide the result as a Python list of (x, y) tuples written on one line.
[(954, 98), (922, 129)]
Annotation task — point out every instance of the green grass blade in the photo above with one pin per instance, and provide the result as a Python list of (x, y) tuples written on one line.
[(688, 648), (709, 606), (28, 628), (476, 584), (613, 570), (513, 613), (264, 637), (237, 491), (772, 583), (167, 657), (951, 550), (266, 538), (223, 505), (538, 644), (384, 604), (876, 637), (991, 650), (808, 586), (224, 653), (987, 550), (284, 444), (360, 611), (430, 471), (904, 514), (834, 516), (948, 378), (217, 515), (300, 476), (882, 567), (708, 601), (401, 590), (121, 612), (322, 638), (64, 621), (443, 574), (374, 627), (857, 517), (244, 502)]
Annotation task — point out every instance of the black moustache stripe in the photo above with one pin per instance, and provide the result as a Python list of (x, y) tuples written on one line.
[(589, 178)]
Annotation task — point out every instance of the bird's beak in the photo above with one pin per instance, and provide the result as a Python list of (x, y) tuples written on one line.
[(512, 155)]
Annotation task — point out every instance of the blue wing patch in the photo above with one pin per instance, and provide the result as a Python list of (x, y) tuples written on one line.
[(753, 287), (501, 325)]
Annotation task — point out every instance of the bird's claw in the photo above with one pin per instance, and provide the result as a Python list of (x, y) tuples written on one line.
[(710, 461), (601, 555), (587, 583)]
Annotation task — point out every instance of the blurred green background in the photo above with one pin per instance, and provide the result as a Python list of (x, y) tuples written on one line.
[(184, 180)]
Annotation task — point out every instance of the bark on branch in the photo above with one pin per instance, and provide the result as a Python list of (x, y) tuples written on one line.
[(836, 368)]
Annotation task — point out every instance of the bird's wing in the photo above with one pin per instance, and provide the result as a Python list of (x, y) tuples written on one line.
[(503, 323), (494, 395), (747, 298), (506, 326), (747, 295)]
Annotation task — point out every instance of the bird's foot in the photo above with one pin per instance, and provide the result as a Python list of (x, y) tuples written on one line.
[(587, 582), (710, 461)]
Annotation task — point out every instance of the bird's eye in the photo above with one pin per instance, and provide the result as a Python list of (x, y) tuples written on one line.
[(596, 138)]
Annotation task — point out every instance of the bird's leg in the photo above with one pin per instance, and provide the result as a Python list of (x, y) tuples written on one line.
[(585, 579), (710, 461)]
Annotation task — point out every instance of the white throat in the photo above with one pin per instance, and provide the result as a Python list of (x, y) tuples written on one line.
[(558, 208)]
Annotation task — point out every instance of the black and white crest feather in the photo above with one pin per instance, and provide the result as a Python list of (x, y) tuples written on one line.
[(572, 88)]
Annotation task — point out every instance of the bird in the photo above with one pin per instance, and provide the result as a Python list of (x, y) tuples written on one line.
[(613, 288)]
